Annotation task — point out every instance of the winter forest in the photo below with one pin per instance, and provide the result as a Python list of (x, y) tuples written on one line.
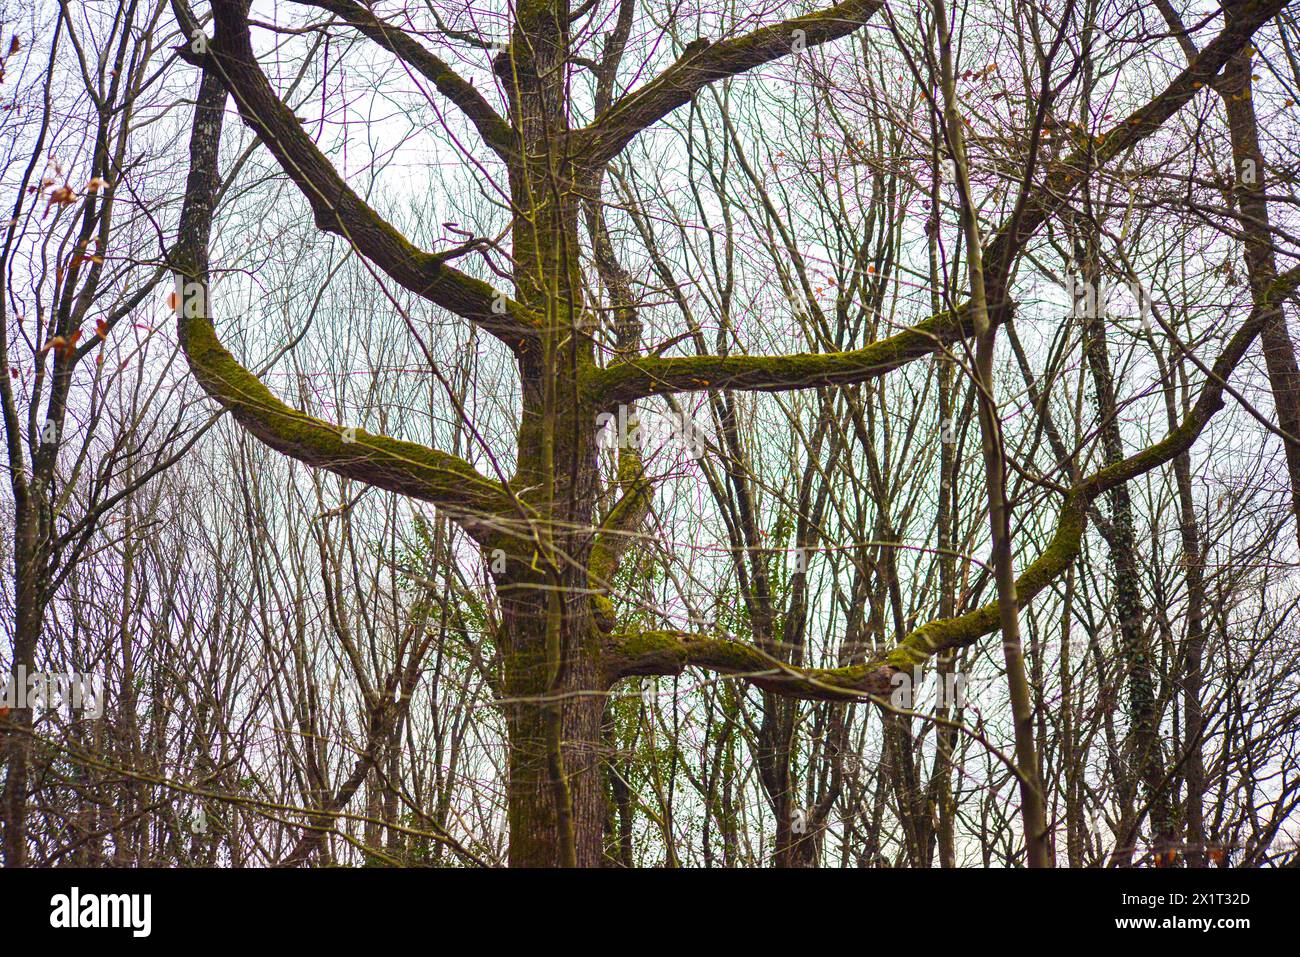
[(650, 433)]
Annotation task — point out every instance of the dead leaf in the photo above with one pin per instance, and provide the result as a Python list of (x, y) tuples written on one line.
[(62, 196)]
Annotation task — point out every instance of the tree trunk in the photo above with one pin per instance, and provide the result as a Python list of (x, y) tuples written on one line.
[(553, 823), (1135, 643), (1279, 352), (27, 629)]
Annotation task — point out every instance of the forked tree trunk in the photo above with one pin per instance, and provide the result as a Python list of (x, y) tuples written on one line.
[(549, 642)]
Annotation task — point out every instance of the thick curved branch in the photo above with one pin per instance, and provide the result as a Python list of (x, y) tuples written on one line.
[(336, 207), (669, 652), (496, 132), (702, 64), (408, 468), (646, 376), (445, 480)]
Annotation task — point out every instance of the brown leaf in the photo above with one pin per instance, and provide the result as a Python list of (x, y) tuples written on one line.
[(61, 196)]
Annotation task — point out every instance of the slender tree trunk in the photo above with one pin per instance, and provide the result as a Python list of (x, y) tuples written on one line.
[(1279, 352), (28, 563), (1193, 673), (1135, 644), (1033, 806), (946, 737)]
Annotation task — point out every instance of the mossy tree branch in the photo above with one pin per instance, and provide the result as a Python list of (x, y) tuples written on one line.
[(703, 63), (641, 377), (478, 503), (647, 376), (669, 652), (449, 482)]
